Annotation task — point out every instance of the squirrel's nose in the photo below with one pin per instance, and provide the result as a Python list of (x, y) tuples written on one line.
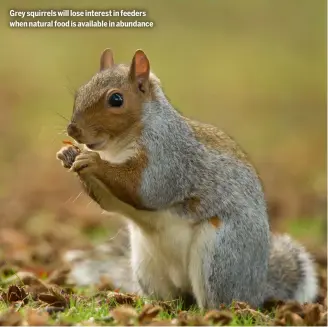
[(73, 131)]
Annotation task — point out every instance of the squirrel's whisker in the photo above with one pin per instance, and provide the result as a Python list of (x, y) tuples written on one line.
[(60, 115)]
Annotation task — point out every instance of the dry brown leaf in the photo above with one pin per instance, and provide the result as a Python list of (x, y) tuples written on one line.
[(37, 317), (124, 314), (198, 321), (278, 322), (312, 314), (182, 318), (11, 318), (28, 279), (256, 316), (161, 323), (272, 304), (293, 319), (59, 276), (240, 305), (15, 294), (291, 306), (34, 285), (52, 300), (105, 284), (55, 299), (223, 317), (167, 306), (148, 313), (13, 237), (122, 298), (187, 319), (323, 320)]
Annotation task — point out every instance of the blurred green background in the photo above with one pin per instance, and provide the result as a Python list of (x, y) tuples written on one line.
[(255, 68)]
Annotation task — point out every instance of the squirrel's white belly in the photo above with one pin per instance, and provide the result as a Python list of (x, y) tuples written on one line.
[(160, 256)]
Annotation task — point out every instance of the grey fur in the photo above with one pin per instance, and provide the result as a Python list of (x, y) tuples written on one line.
[(179, 168), (90, 93), (288, 267)]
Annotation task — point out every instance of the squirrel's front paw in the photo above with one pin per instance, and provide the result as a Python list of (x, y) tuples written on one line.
[(86, 163), (67, 155)]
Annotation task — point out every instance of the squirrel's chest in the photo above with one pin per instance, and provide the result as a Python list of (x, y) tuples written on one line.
[(163, 255)]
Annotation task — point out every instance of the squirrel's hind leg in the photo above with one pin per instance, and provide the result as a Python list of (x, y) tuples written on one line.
[(226, 265), (148, 269)]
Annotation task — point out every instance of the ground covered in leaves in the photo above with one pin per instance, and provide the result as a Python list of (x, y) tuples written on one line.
[(28, 299), (35, 292), (40, 224)]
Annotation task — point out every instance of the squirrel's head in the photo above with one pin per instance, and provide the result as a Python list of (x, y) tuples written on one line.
[(109, 106)]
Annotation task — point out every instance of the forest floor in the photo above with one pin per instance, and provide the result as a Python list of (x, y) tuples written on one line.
[(34, 290)]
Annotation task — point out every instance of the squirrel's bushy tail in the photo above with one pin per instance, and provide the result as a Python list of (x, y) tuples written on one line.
[(292, 274), (110, 260)]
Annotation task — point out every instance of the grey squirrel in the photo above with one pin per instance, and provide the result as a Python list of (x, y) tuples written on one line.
[(197, 216)]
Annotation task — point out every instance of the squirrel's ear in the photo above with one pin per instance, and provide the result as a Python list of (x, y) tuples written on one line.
[(106, 59), (140, 69)]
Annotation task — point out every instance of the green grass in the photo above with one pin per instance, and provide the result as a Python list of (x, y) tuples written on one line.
[(88, 309)]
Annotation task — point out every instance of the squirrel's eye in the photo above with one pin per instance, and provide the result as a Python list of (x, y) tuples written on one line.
[(115, 100)]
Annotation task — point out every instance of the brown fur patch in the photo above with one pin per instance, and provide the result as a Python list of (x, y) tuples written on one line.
[(124, 179), (215, 139), (215, 221), (100, 121)]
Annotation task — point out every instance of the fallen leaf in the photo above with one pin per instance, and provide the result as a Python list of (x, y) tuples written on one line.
[(290, 306), (278, 322), (122, 298), (312, 315), (271, 304), (293, 319), (239, 305), (161, 323), (11, 318), (55, 299), (187, 319), (167, 306), (37, 318), (124, 315), (59, 277), (256, 316), (223, 317), (15, 294), (106, 284), (148, 313), (182, 318), (323, 320), (28, 279)]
